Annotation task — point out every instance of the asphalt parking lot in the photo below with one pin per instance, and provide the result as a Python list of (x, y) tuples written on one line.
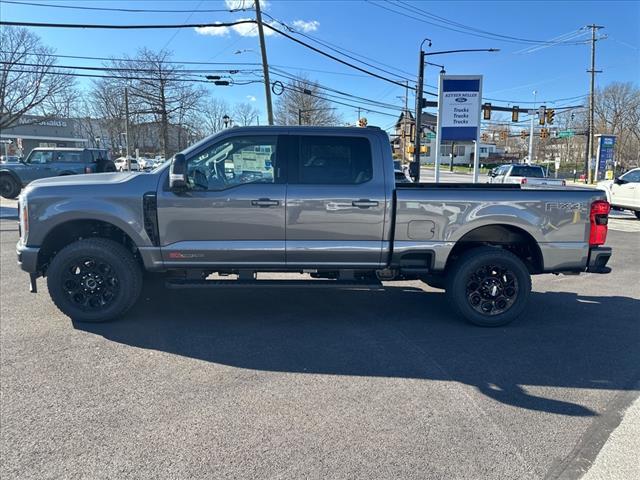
[(308, 384)]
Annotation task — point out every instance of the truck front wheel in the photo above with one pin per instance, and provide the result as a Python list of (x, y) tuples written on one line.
[(489, 286), (94, 280)]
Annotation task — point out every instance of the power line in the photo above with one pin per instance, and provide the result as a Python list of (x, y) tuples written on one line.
[(368, 100), (125, 69), (124, 27), (79, 57), (455, 26), (141, 78), (221, 24), (130, 10), (330, 47), (178, 26)]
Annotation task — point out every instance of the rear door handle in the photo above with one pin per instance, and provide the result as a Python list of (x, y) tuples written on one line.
[(265, 202), (362, 203)]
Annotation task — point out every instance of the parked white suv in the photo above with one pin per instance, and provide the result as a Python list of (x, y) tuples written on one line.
[(624, 191), (121, 164)]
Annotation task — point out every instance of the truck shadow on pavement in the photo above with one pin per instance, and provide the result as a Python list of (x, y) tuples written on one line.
[(564, 340)]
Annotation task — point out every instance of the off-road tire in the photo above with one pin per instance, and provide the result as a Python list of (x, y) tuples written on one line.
[(71, 292), (9, 188), (106, 166), (488, 277)]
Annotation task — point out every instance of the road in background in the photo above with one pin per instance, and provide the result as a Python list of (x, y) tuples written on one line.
[(300, 383)]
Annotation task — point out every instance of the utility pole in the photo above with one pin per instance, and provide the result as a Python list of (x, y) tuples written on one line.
[(126, 124), (358, 120), (594, 28), (533, 116), (265, 64), (418, 119), (404, 120), (299, 116)]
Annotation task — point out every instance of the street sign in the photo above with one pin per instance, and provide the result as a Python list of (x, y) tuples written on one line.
[(431, 135), (459, 107), (566, 133)]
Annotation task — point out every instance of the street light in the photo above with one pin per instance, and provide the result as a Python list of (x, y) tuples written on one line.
[(420, 102)]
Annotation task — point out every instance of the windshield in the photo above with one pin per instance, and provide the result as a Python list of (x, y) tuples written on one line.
[(527, 171)]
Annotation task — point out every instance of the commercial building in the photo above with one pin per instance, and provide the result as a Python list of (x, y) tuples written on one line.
[(31, 132)]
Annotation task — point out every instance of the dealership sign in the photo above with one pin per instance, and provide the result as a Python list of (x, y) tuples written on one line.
[(459, 107)]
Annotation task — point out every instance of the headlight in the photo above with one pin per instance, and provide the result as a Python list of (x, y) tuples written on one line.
[(24, 218)]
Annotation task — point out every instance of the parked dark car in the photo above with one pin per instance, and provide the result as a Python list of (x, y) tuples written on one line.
[(44, 162)]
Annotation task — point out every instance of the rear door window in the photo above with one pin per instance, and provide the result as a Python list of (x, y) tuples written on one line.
[(68, 157), (332, 160)]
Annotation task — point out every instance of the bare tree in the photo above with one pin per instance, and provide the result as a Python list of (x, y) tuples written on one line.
[(29, 81), (302, 103), (159, 94), (245, 114), (209, 117), (617, 112)]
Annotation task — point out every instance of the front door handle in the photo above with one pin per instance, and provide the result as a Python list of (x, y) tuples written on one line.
[(364, 203), (265, 202)]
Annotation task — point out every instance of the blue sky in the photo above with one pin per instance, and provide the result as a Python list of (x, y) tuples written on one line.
[(556, 72)]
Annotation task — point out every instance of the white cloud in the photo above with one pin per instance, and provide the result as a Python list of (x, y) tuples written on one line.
[(213, 31), (246, 4), (306, 26), (251, 98), (244, 29)]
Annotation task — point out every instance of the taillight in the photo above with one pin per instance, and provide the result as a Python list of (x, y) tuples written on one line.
[(599, 218), (523, 181)]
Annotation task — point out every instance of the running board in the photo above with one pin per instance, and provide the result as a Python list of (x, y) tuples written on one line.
[(184, 283)]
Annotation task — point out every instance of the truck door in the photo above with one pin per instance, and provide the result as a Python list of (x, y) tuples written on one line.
[(38, 165), (335, 202), (232, 214), (627, 192)]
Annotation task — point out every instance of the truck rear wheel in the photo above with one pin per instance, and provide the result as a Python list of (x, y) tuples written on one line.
[(94, 280), (489, 286), (9, 188)]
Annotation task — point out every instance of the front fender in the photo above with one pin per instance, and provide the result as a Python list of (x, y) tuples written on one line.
[(126, 214)]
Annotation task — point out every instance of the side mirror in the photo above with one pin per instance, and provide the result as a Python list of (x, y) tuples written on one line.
[(178, 173), (619, 181)]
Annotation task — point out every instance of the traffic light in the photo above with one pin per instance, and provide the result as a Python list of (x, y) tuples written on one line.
[(503, 136), (484, 137), (362, 122), (544, 133), (542, 114), (486, 111), (514, 114), (524, 134), (550, 114)]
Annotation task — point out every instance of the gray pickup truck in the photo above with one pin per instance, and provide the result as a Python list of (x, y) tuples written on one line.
[(312, 200)]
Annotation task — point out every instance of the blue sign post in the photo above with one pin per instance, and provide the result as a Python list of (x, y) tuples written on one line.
[(459, 110)]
